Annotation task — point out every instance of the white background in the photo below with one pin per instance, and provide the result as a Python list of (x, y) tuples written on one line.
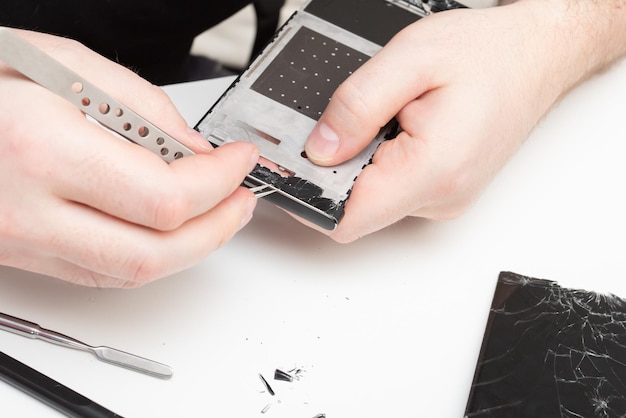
[(387, 326)]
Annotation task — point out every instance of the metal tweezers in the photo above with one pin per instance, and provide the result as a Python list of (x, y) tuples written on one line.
[(59, 79)]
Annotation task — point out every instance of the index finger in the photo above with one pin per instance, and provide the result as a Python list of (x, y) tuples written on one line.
[(133, 184)]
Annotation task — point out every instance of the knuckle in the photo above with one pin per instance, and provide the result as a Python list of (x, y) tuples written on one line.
[(169, 210), (144, 267), (224, 237), (102, 281), (451, 197), (353, 102), (9, 227), (446, 187), (155, 101), (67, 49)]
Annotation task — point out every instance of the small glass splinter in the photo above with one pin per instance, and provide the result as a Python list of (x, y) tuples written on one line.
[(267, 385), (281, 375)]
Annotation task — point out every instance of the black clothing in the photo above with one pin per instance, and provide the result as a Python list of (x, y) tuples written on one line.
[(152, 37)]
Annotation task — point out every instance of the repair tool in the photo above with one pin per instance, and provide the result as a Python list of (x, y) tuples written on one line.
[(106, 354)]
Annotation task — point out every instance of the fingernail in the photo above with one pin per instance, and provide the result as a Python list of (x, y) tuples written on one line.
[(322, 143), (202, 143), (254, 159), (248, 211)]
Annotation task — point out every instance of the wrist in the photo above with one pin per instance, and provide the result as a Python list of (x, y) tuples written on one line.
[(580, 38)]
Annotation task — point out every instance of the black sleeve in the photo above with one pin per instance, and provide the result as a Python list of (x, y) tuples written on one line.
[(152, 37)]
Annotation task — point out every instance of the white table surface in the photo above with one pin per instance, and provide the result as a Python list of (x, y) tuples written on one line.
[(387, 326)]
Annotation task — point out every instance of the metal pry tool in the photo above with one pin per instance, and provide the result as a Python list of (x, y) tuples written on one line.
[(106, 354), (94, 102)]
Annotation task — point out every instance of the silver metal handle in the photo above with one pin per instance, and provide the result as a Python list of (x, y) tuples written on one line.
[(31, 330), (19, 326), (107, 354)]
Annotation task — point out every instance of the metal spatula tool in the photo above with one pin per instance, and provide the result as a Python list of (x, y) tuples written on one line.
[(106, 354)]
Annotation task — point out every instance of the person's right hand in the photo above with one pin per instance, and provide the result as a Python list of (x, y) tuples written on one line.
[(84, 206), (467, 87)]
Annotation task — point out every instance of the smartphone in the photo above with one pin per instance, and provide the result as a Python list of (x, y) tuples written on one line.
[(277, 100)]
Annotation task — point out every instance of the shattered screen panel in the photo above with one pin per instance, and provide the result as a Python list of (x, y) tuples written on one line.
[(550, 351)]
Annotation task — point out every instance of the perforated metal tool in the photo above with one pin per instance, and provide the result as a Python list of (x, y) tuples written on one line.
[(56, 77), (119, 118)]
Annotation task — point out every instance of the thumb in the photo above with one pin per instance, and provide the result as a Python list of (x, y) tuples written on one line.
[(364, 103)]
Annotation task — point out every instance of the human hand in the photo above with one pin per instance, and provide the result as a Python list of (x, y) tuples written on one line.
[(467, 87), (81, 205)]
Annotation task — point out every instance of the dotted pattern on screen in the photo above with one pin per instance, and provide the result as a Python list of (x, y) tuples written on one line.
[(304, 75)]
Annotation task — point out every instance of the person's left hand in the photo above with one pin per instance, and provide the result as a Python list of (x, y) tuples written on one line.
[(81, 205)]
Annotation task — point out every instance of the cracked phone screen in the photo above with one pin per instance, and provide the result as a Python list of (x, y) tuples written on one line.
[(550, 351)]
